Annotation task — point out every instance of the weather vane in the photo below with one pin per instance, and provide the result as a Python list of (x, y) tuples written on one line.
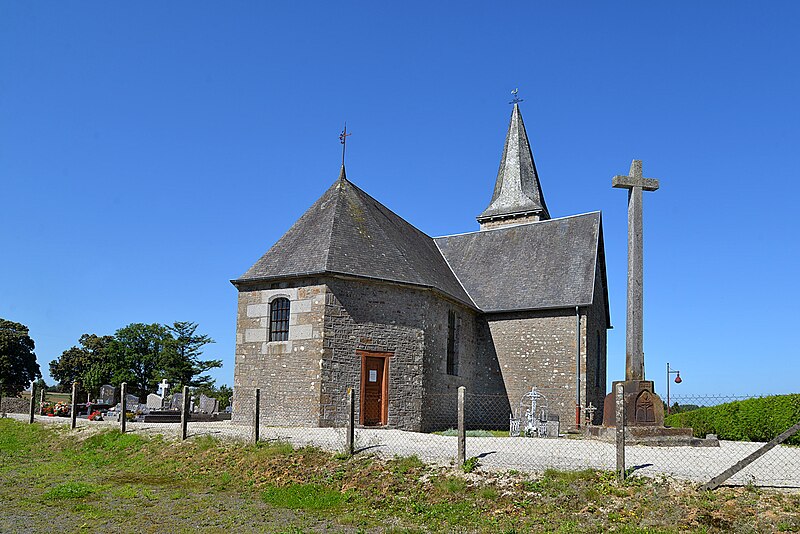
[(343, 139), (517, 99)]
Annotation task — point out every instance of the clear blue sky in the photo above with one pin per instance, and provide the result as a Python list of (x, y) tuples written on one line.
[(151, 152)]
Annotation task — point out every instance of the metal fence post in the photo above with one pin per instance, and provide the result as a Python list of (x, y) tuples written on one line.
[(351, 416), (74, 408), (33, 404), (462, 431), (123, 420), (620, 432), (257, 416), (185, 413)]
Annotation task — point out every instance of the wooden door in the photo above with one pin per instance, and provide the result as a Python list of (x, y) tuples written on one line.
[(374, 388)]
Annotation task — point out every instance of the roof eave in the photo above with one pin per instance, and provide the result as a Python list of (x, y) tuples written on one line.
[(334, 274)]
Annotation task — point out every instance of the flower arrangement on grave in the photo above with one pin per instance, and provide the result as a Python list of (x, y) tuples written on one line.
[(61, 409), (96, 416), (47, 409)]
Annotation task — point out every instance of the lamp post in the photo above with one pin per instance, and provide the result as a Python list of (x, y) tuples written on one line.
[(678, 380)]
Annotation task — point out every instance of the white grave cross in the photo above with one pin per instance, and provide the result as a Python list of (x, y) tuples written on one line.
[(163, 387)]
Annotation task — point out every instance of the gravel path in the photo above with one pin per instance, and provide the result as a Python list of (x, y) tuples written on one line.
[(779, 468)]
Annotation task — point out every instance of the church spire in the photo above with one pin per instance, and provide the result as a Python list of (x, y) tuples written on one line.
[(517, 194)]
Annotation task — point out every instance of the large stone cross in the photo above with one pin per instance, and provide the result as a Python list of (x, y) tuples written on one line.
[(635, 184)]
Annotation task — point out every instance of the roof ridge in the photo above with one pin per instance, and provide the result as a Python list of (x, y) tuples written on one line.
[(337, 199), (517, 225)]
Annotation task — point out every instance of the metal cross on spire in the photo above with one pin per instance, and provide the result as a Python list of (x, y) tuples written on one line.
[(516, 99), (343, 139)]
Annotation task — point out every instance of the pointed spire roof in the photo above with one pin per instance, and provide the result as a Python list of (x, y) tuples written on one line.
[(517, 191)]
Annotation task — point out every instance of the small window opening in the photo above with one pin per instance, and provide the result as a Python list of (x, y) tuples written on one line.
[(279, 320), (598, 361), (453, 334)]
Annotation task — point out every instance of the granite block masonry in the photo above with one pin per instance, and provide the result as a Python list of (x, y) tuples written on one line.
[(404, 319)]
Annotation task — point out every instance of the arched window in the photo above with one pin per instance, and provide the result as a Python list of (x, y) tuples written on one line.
[(279, 320)]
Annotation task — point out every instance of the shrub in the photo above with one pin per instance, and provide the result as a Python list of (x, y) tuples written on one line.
[(758, 419)]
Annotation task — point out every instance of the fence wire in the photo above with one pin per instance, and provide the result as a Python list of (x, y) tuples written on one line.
[(501, 434)]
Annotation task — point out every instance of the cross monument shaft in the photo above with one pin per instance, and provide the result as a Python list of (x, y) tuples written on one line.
[(634, 328)]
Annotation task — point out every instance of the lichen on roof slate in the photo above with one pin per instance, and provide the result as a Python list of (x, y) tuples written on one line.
[(545, 264)]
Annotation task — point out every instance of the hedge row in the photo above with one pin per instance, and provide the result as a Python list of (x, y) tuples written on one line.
[(758, 419)]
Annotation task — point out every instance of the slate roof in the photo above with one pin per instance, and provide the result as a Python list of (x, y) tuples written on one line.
[(545, 264), (348, 232), (517, 190)]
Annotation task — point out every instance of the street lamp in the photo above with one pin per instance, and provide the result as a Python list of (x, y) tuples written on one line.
[(678, 380)]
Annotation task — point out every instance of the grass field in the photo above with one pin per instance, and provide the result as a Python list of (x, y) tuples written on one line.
[(56, 480)]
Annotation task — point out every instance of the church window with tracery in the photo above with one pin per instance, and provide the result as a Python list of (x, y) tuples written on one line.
[(279, 319)]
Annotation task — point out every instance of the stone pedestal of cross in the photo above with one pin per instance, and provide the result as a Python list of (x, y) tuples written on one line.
[(642, 406)]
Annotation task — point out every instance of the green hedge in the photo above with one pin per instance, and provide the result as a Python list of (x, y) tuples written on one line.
[(758, 419)]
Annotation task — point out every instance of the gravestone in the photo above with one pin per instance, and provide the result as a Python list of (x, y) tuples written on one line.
[(154, 401), (131, 401), (177, 402), (108, 395), (208, 404)]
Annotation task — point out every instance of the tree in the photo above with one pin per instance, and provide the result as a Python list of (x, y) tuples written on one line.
[(138, 354), (88, 364), (184, 365), (18, 367)]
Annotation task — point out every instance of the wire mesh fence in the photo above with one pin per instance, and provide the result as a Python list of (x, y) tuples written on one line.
[(500, 434)]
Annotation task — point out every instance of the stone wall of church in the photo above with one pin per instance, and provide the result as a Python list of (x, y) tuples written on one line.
[(537, 348), (596, 361), (287, 372), (480, 374), (376, 317)]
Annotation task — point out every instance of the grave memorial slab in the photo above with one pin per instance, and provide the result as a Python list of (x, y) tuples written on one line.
[(108, 395), (208, 404), (154, 401)]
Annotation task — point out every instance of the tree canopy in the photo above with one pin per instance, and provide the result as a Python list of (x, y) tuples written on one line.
[(18, 367), (139, 354)]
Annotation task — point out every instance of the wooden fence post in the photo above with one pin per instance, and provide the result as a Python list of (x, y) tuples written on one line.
[(41, 401), (123, 420), (33, 404), (257, 416), (351, 415), (620, 432), (750, 458), (185, 413), (74, 407), (462, 429)]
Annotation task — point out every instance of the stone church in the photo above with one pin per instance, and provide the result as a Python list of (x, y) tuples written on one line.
[(353, 296)]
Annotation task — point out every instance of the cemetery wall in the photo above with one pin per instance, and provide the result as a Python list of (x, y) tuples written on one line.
[(537, 348), (287, 372), (15, 404)]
